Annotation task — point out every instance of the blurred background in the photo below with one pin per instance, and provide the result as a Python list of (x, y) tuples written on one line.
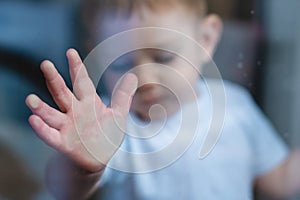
[(260, 49)]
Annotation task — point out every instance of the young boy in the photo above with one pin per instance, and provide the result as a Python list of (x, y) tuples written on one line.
[(90, 134)]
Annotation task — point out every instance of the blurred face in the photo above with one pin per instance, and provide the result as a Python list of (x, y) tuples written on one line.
[(165, 79)]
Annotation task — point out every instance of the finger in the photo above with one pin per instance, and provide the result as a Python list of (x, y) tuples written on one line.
[(122, 96), (49, 135), (82, 84), (49, 115), (57, 86), (75, 63)]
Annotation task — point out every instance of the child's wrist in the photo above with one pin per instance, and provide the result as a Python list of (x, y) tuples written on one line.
[(80, 171), (63, 162)]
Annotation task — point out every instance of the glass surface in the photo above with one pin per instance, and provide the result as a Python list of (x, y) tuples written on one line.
[(259, 49)]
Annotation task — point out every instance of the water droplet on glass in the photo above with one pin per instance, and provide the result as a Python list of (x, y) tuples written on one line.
[(240, 65)]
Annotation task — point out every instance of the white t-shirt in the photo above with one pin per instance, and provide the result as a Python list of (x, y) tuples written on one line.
[(247, 147)]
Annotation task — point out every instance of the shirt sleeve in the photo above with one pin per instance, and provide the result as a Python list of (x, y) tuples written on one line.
[(268, 148)]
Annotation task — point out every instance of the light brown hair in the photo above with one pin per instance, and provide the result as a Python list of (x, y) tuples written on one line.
[(128, 6), (90, 9)]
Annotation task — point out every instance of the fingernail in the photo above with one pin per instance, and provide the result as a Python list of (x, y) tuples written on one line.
[(134, 81), (134, 84), (72, 53), (50, 68), (36, 121), (34, 102)]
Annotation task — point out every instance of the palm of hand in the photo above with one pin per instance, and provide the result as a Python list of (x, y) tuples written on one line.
[(84, 129)]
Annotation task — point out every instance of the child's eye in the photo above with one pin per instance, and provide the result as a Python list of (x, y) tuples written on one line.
[(121, 66), (164, 57)]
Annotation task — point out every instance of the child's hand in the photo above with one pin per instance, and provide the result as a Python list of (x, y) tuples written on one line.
[(84, 129)]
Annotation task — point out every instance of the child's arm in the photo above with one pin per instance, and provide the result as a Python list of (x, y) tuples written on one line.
[(66, 180), (284, 181), (84, 130)]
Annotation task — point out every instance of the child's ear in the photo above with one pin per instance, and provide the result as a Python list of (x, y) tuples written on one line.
[(210, 33)]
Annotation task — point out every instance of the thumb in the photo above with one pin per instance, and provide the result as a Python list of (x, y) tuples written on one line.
[(122, 95)]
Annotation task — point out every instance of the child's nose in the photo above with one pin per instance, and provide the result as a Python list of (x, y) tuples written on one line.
[(146, 75)]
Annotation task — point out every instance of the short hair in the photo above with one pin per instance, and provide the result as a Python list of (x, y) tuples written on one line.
[(90, 9), (128, 6)]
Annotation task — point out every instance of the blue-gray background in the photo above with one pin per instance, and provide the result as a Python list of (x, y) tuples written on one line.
[(260, 49)]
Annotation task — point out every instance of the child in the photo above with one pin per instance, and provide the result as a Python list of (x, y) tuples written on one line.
[(90, 134)]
